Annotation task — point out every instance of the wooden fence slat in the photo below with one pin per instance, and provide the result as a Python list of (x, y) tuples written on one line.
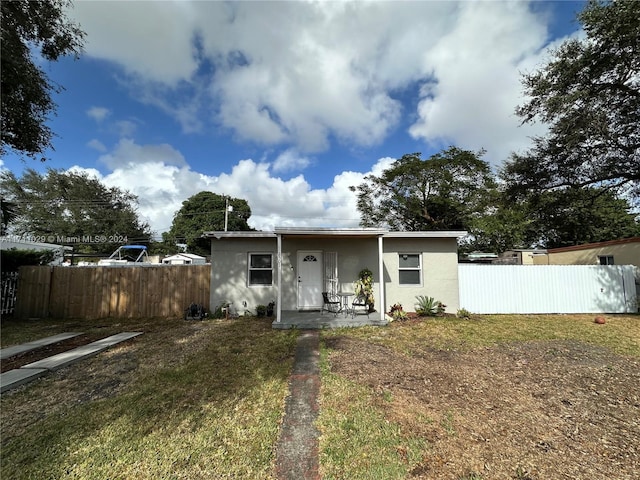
[(99, 292)]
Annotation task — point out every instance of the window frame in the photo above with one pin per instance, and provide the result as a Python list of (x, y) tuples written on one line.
[(606, 258), (258, 269), (410, 269)]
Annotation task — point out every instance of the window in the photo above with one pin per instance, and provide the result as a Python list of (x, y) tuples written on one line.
[(606, 259), (409, 269), (260, 269)]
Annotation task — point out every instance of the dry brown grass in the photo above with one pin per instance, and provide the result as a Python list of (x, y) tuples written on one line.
[(550, 408)]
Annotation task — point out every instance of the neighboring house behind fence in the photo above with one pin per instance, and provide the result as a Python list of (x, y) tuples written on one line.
[(625, 251)]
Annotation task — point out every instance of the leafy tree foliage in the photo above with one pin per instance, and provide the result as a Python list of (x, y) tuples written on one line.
[(8, 211), (503, 226), (575, 215), (444, 192), (12, 260), (26, 90), (63, 205), (589, 94), (552, 219), (202, 212)]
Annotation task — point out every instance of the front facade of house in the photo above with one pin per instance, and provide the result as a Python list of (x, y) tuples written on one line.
[(615, 252), (292, 267)]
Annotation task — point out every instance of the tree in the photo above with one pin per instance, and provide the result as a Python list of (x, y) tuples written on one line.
[(589, 94), (576, 215), (26, 90), (205, 211), (503, 226), (443, 192), (73, 209)]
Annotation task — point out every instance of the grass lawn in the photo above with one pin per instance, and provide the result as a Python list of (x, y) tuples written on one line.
[(185, 400), (522, 397)]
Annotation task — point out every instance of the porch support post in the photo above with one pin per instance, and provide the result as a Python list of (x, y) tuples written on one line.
[(279, 279), (381, 279)]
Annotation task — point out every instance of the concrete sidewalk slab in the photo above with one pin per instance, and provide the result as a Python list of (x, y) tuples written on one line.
[(297, 449), (43, 342), (19, 376), (66, 358)]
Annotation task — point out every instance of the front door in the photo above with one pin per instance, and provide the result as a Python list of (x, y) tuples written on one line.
[(310, 282)]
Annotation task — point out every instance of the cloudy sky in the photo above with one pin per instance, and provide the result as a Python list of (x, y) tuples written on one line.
[(287, 104)]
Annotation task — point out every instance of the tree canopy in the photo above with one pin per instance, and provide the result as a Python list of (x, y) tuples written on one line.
[(589, 95), (205, 211), (443, 192), (26, 89), (74, 209), (577, 215)]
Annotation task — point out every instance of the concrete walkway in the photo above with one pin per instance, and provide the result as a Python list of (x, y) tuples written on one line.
[(297, 449), (43, 342), (19, 376)]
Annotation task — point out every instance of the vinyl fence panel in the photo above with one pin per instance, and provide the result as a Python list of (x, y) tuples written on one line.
[(548, 288)]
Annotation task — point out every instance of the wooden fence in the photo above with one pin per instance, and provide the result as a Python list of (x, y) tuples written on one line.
[(121, 292)]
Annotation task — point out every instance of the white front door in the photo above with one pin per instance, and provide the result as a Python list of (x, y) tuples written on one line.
[(310, 282)]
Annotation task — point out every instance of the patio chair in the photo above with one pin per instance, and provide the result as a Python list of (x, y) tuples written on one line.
[(359, 305), (331, 303)]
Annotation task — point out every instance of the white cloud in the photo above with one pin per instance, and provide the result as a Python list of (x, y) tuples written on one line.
[(301, 74), (290, 160), (96, 145), (152, 40), (98, 113), (470, 102), (128, 153), (162, 184)]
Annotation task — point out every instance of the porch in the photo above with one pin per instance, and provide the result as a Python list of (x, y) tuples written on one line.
[(313, 320)]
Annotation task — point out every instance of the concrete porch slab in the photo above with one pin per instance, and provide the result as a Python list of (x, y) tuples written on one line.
[(43, 342), (317, 321)]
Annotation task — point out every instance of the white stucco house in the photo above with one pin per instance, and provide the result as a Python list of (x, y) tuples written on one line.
[(293, 266), (184, 259)]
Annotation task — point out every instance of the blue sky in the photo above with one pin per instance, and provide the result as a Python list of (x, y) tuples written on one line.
[(287, 104)]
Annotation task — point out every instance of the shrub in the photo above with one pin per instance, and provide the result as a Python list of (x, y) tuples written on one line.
[(428, 306), (397, 313), (463, 313), (219, 311)]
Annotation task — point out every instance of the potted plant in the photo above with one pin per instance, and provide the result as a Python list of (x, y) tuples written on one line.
[(363, 288), (270, 308)]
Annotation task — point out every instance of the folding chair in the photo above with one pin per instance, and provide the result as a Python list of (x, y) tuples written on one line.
[(359, 302), (331, 303)]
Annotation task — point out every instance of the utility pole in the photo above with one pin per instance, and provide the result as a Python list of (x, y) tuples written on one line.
[(227, 208)]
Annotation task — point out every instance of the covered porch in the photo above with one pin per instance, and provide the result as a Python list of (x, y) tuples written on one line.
[(313, 320)]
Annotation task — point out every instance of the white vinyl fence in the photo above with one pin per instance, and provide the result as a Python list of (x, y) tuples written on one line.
[(548, 288)]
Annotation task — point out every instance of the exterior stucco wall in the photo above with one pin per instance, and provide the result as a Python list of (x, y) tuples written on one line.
[(623, 254), (229, 271), (229, 264), (439, 272)]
